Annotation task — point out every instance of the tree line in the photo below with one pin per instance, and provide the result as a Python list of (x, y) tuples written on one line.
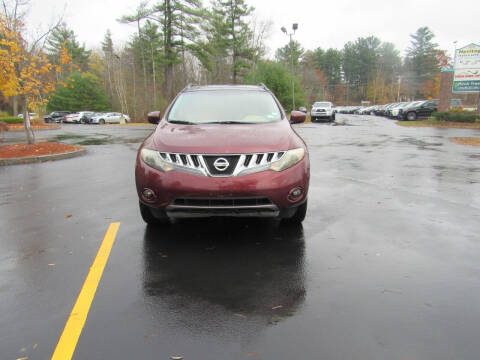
[(178, 42)]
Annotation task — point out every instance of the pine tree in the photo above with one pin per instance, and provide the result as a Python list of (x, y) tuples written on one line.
[(62, 37), (231, 34), (284, 54), (422, 60)]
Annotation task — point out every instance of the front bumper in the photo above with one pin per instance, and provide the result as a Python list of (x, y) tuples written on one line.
[(322, 114), (274, 186)]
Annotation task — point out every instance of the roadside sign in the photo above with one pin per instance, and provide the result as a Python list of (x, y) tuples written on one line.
[(467, 69)]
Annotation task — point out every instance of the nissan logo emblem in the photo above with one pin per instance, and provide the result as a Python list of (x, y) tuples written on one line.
[(221, 164)]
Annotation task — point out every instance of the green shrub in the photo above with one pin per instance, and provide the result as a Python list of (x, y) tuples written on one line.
[(11, 120), (468, 117)]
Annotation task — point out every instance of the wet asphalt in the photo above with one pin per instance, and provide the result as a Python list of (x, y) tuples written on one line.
[(385, 266)]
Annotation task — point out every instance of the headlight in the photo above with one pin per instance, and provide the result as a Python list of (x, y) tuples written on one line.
[(290, 158), (153, 158)]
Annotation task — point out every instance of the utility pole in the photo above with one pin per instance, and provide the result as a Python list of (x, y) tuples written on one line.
[(284, 30)]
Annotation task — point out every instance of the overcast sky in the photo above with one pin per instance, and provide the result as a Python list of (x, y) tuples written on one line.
[(321, 23)]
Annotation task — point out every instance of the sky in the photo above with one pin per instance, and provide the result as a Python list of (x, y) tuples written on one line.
[(320, 23)]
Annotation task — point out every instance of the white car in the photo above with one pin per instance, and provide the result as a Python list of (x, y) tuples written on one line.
[(77, 117), (110, 118), (322, 110), (33, 116)]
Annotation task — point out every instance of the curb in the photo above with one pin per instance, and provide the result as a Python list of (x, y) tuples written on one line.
[(41, 129), (42, 158)]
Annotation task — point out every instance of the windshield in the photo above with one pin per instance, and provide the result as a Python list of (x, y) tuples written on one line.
[(322, 104), (415, 103), (226, 106)]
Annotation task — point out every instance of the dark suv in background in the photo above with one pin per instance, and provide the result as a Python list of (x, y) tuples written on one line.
[(56, 116)]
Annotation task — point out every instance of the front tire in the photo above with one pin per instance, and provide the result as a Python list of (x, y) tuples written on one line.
[(412, 116), (299, 215), (149, 218), (101, 122)]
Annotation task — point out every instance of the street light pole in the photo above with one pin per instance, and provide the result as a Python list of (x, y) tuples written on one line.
[(455, 55), (294, 28)]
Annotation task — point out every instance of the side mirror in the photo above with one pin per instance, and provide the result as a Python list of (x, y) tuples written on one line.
[(297, 117), (154, 117)]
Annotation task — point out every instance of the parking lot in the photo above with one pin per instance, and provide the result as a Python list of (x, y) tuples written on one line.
[(386, 265)]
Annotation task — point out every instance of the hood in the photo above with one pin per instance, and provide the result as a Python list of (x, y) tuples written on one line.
[(225, 138)]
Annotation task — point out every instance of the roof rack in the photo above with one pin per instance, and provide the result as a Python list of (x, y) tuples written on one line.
[(190, 85), (262, 85)]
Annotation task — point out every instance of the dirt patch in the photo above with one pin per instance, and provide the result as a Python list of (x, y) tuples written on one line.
[(17, 127), (38, 149), (473, 141), (443, 124)]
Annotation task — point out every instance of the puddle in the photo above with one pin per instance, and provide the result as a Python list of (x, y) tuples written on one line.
[(63, 137), (422, 145), (342, 123), (94, 142)]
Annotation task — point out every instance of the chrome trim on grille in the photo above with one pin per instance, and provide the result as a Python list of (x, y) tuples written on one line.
[(195, 163)]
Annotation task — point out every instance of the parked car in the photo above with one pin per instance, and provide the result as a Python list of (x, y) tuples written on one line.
[(392, 111), (420, 109), (77, 117), (322, 110), (109, 118), (33, 116), (223, 151), (88, 119), (56, 116)]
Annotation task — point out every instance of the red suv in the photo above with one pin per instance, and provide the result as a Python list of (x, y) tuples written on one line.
[(223, 151)]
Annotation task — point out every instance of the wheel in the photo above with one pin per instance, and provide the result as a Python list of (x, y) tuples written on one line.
[(299, 215), (148, 217), (332, 118), (314, 119), (101, 122), (411, 116)]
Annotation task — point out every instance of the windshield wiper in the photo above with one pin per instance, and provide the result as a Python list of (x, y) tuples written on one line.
[(181, 122)]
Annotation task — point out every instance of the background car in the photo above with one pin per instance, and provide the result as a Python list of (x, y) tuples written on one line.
[(77, 117), (88, 118), (33, 116), (322, 110), (109, 118), (422, 109), (56, 116)]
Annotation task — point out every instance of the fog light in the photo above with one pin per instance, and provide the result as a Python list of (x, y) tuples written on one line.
[(296, 192), (148, 194)]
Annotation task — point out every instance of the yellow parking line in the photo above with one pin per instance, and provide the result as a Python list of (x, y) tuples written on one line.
[(73, 329)]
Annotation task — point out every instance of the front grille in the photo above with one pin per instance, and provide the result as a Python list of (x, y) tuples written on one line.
[(211, 160), (222, 202), (238, 164)]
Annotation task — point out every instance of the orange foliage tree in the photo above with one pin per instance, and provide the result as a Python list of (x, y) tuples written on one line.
[(25, 71)]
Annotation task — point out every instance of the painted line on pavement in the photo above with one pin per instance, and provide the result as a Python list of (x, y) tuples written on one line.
[(73, 329)]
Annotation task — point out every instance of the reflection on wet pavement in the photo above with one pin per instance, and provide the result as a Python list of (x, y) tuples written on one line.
[(197, 269)]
